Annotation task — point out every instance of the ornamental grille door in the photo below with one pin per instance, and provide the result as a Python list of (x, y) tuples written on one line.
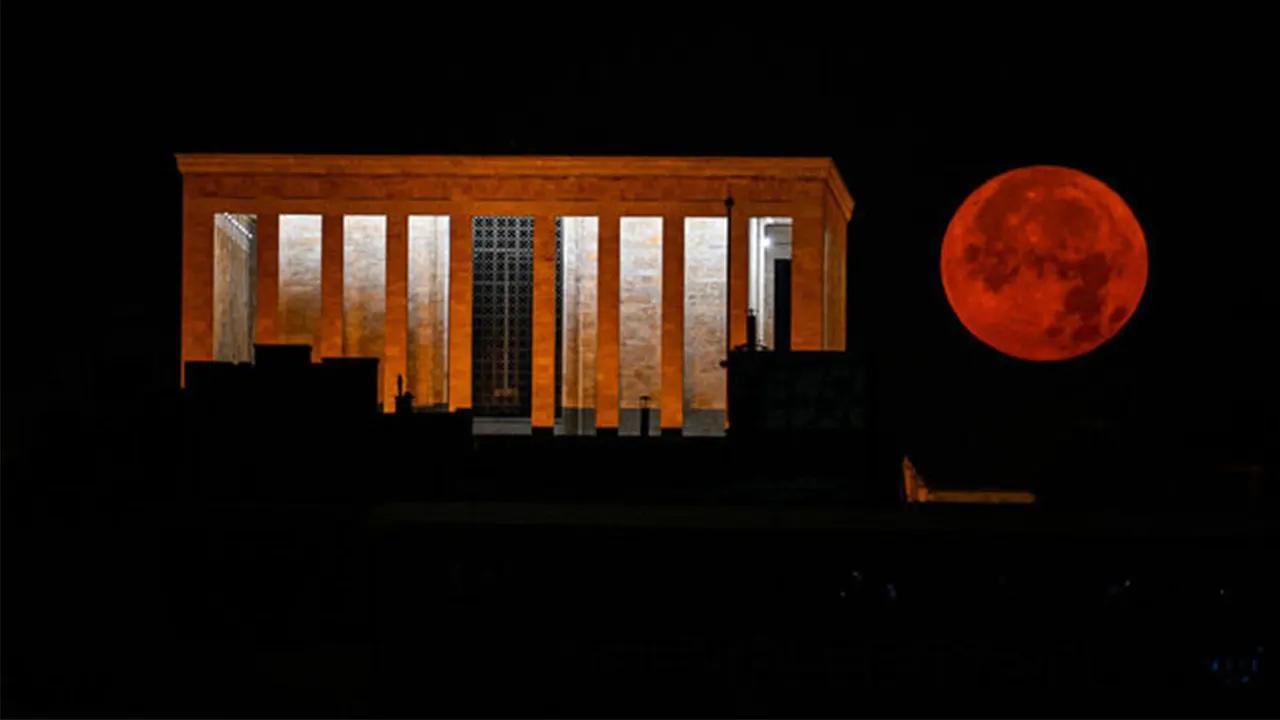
[(502, 315)]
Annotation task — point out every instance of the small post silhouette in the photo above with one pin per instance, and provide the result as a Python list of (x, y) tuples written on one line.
[(404, 400)]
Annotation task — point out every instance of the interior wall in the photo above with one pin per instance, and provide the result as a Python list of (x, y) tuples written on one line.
[(299, 301), (706, 299), (364, 285), (639, 319), (429, 310), (778, 247), (580, 237), (235, 260)]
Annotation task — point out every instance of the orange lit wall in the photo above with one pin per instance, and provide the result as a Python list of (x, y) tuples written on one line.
[(353, 290)]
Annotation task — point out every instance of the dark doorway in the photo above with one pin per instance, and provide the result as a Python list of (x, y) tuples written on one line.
[(782, 305), (502, 316)]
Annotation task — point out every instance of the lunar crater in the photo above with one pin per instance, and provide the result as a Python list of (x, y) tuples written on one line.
[(1082, 250)]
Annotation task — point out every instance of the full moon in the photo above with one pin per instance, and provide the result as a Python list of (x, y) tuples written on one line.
[(1044, 263)]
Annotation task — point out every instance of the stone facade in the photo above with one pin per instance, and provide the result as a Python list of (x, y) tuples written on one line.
[(658, 324)]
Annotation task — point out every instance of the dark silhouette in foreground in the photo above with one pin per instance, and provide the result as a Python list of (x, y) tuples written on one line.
[(279, 546)]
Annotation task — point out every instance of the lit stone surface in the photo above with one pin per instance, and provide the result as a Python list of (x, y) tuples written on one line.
[(332, 241), (234, 261), (395, 354), (834, 264), (428, 309), (364, 285), (197, 282), (640, 347), (672, 323), (607, 287), (640, 312), (739, 274), (705, 304), (580, 246), (266, 300), (806, 283), (542, 383), (300, 279), (460, 285)]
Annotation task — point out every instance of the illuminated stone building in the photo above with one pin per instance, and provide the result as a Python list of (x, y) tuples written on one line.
[(567, 291)]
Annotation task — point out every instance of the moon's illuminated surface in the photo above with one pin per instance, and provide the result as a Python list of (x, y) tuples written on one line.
[(1044, 263)]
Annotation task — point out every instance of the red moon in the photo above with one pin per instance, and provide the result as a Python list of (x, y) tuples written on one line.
[(1044, 263)]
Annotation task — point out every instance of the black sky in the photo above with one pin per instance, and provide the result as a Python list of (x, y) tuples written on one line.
[(1172, 112)]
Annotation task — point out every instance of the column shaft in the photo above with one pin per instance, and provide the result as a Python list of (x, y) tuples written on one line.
[(672, 408), (739, 257), (331, 272), (543, 385), (197, 286), (267, 301), (834, 274), (395, 359), (608, 285), (806, 281), (460, 286)]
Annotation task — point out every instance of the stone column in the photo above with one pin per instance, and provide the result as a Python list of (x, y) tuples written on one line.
[(739, 270), (543, 382), (460, 310), (331, 286), (395, 358), (806, 280), (267, 301), (197, 285), (834, 275), (608, 285), (672, 411)]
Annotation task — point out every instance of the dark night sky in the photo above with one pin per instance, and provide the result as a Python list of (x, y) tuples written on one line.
[(1169, 113)]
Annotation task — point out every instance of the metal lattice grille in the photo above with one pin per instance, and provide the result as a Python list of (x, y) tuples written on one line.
[(502, 315)]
